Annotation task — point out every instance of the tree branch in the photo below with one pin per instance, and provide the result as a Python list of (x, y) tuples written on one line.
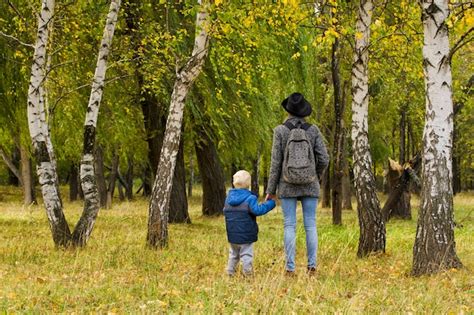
[(460, 43), (16, 40), (11, 166)]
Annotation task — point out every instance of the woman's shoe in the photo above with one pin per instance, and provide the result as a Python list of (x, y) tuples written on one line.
[(311, 271)]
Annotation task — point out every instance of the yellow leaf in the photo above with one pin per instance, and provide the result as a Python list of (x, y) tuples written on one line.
[(359, 35), (296, 55)]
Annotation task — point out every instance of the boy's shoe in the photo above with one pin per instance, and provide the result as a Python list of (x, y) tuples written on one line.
[(248, 274), (311, 271)]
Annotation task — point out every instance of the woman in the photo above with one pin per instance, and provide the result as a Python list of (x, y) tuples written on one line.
[(290, 187)]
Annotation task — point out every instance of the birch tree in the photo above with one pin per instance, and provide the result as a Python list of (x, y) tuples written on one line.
[(435, 247), (39, 132), (88, 180), (158, 209), (372, 228)]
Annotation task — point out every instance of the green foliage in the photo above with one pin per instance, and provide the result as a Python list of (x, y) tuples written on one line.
[(258, 55)]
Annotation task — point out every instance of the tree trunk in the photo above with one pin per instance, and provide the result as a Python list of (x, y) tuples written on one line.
[(154, 118), (79, 188), (129, 180), (255, 175), (27, 177), (46, 166), (158, 210), (402, 149), (154, 128), (372, 227), (408, 139), (213, 187), (265, 168), (346, 190), (398, 201), (326, 185), (191, 177), (456, 153), (112, 180), (92, 199), (435, 247), (233, 170), (13, 165), (178, 209), (126, 182), (12, 168), (100, 177), (153, 112), (338, 146), (120, 191), (73, 183), (346, 180)]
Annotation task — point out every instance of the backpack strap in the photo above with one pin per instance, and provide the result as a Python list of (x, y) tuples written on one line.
[(305, 126)]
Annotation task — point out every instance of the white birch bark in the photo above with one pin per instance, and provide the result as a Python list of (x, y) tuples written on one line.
[(85, 225), (158, 209), (435, 247), (39, 130), (372, 228)]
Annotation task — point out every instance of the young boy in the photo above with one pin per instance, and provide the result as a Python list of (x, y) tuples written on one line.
[(241, 209)]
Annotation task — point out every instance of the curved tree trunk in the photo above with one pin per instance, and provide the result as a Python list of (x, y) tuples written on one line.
[(435, 247), (372, 227), (86, 223), (158, 210), (213, 187)]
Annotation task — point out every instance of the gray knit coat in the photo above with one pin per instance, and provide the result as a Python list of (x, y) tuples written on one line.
[(275, 181)]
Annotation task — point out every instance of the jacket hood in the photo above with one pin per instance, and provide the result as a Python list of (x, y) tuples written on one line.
[(237, 195)]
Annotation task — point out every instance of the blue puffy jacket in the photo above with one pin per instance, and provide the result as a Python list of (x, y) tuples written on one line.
[(240, 210)]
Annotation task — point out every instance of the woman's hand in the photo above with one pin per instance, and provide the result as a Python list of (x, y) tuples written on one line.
[(270, 196)]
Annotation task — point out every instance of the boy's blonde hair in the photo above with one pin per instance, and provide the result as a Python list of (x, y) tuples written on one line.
[(242, 179)]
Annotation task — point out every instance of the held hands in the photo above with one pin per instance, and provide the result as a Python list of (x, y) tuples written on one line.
[(270, 197)]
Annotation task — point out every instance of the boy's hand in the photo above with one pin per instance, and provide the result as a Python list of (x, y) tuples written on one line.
[(269, 196)]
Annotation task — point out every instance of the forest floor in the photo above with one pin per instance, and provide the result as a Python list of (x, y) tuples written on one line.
[(116, 273)]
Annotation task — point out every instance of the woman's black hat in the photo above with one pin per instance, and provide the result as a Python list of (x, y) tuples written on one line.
[(297, 105)]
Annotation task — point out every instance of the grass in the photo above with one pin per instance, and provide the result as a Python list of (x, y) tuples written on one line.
[(116, 273)]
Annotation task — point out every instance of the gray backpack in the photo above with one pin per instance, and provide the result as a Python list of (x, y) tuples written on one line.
[(299, 166)]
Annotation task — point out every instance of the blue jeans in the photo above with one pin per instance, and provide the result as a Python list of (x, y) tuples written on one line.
[(309, 218)]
